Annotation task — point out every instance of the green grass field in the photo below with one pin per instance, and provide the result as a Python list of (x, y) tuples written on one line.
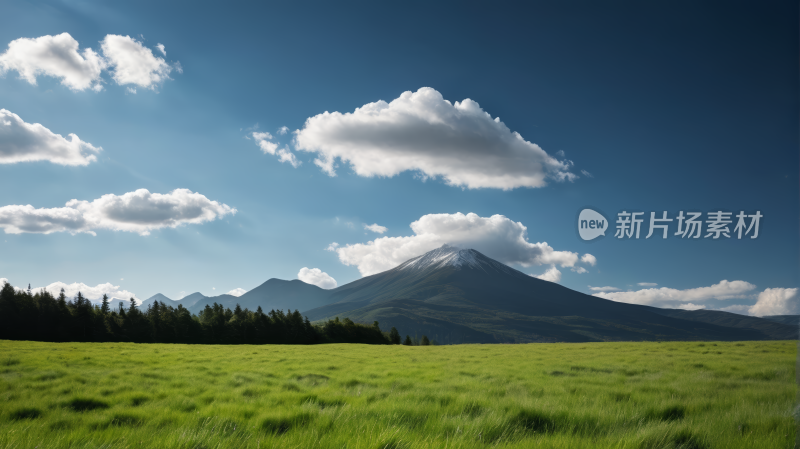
[(593, 395)]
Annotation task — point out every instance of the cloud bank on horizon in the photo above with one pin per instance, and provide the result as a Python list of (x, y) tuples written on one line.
[(497, 236), (128, 61), (89, 292), (772, 301), (26, 142), (139, 211), (423, 133)]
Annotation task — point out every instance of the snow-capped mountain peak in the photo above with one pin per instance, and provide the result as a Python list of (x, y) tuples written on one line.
[(447, 255)]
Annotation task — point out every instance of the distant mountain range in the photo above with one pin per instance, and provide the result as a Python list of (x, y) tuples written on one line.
[(457, 295)]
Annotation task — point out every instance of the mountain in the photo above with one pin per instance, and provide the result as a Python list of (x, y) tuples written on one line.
[(160, 298), (285, 295), (459, 295), (775, 325), (792, 320), (199, 302), (274, 294), (190, 300), (186, 301)]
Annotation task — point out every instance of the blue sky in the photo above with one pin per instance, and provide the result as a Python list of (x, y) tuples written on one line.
[(669, 107)]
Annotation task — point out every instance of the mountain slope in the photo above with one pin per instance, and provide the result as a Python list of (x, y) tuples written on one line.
[(792, 320), (285, 295), (460, 295)]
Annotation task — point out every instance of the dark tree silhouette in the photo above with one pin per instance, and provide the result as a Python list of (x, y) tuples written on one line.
[(40, 316), (394, 336)]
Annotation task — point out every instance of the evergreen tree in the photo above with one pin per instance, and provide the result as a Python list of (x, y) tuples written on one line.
[(394, 336), (425, 341), (41, 317), (83, 315), (62, 300), (105, 309), (408, 341)]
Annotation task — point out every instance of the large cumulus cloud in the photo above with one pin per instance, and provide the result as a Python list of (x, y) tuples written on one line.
[(139, 211), (424, 133), (26, 142), (497, 236), (776, 301)]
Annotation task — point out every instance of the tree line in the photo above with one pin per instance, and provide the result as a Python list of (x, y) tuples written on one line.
[(40, 316)]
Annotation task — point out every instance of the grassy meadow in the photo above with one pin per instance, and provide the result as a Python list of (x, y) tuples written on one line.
[(584, 395)]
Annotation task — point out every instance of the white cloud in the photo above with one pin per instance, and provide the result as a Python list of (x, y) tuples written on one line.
[(647, 284), (332, 247), (587, 174), (237, 292), (497, 236), (26, 142), (139, 211), (162, 49), (690, 306), (672, 298), (284, 155), (92, 293), (375, 227), (551, 275), (579, 270), (604, 289), (133, 63), (58, 56), (55, 56), (263, 140), (424, 133), (315, 276), (283, 130), (589, 259), (776, 301), (131, 90)]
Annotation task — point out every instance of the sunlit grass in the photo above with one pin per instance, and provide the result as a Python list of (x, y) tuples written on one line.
[(594, 395)]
